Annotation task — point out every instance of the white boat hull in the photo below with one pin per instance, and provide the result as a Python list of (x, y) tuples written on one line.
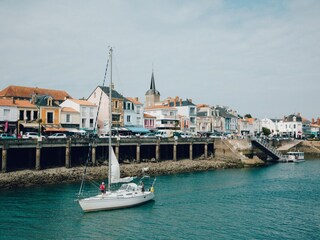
[(114, 200)]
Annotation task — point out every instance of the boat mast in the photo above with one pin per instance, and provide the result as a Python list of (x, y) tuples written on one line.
[(110, 120)]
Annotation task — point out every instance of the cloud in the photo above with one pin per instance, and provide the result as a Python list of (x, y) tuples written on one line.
[(255, 56)]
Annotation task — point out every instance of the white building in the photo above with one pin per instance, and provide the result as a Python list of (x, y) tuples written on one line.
[(87, 113), (8, 115), (70, 118), (100, 96), (186, 110), (166, 117), (271, 124), (133, 112), (209, 119), (290, 126)]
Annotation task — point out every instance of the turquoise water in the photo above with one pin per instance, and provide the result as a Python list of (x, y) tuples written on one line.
[(281, 201)]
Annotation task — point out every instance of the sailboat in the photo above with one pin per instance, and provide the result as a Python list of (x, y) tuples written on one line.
[(129, 194)]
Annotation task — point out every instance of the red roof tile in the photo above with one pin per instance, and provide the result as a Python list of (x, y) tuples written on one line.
[(134, 100), (27, 92)]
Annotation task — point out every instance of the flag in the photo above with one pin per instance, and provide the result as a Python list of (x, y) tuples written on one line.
[(6, 126)]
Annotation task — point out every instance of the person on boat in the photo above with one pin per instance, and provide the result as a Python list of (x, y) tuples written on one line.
[(102, 188), (142, 187)]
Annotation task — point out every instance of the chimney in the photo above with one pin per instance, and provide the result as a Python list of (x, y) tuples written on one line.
[(137, 99)]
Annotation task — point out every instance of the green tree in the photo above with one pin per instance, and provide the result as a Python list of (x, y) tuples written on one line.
[(266, 131), (248, 115)]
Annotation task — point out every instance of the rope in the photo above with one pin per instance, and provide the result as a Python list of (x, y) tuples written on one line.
[(94, 129)]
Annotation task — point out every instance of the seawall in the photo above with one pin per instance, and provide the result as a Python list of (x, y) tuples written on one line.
[(26, 178)]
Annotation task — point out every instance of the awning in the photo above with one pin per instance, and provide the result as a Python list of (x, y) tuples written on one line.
[(74, 130), (30, 125), (138, 129), (54, 128)]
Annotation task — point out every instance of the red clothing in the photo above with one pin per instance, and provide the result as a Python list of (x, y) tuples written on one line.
[(102, 188)]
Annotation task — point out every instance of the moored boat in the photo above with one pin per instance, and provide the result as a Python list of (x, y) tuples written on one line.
[(294, 157)]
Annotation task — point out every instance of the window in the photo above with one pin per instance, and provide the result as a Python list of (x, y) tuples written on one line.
[(128, 118), (28, 115), (91, 112), (192, 110), (49, 101), (35, 115), (83, 112), (128, 106), (91, 123), (115, 117), (68, 118), (116, 104), (49, 117), (6, 114), (21, 115), (83, 123), (138, 109)]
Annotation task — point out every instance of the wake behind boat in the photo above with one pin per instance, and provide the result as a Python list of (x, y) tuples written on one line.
[(129, 194)]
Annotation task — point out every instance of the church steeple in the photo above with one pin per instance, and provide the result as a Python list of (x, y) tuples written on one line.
[(152, 95), (152, 89)]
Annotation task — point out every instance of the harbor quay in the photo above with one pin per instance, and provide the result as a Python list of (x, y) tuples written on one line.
[(30, 162), (19, 154)]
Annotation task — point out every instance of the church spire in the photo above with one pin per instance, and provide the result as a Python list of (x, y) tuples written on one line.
[(152, 95), (152, 85), (152, 90)]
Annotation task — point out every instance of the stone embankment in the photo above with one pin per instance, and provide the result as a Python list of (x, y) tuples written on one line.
[(27, 178)]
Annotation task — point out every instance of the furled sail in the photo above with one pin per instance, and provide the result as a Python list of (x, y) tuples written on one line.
[(115, 170)]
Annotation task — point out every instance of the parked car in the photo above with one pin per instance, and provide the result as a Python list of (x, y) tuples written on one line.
[(7, 136), (58, 135), (186, 135), (104, 135), (32, 135), (149, 135), (216, 135)]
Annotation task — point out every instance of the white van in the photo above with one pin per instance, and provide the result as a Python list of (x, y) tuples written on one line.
[(164, 133)]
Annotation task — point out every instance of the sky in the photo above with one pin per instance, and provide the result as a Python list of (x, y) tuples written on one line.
[(257, 57)]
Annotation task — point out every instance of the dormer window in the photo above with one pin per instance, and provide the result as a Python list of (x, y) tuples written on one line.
[(49, 101)]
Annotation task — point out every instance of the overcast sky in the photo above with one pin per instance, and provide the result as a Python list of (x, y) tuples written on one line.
[(258, 57)]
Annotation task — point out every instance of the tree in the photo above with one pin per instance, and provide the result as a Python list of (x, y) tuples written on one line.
[(248, 115), (266, 131)]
